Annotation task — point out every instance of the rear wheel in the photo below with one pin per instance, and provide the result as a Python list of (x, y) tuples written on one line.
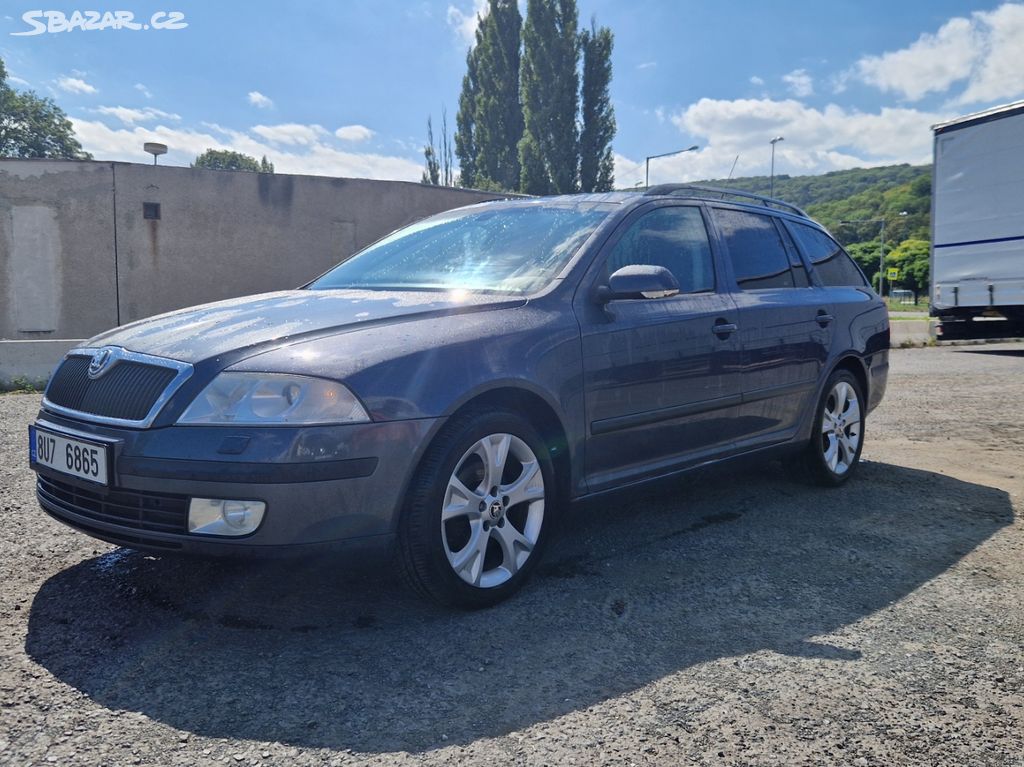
[(837, 438), (478, 511)]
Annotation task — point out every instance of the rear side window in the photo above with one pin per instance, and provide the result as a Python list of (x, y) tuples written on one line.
[(758, 255), (796, 264), (830, 262), (674, 238)]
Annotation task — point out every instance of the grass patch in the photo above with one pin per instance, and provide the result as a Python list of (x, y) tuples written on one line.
[(21, 385)]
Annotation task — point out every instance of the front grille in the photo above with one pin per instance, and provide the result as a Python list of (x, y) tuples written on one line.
[(152, 512), (127, 391)]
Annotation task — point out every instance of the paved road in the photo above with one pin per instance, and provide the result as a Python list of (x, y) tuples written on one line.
[(729, 618)]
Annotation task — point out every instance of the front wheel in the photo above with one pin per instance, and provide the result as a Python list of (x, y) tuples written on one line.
[(838, 433), (478, 510)]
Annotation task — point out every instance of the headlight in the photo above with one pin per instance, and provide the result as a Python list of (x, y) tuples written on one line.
[(255, 399)]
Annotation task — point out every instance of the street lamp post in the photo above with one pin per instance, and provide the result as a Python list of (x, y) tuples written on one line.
[(773, 142), (647, 162)]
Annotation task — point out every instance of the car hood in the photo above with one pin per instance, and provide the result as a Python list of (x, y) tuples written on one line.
[(267, 320)]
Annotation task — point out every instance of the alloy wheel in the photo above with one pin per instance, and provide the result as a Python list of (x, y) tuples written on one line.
[(840, 428), (493, 510)]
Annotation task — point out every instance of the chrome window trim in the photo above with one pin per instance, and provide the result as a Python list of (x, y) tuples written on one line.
[(184, 372)]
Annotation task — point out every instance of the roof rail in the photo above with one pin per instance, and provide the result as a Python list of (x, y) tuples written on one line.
[(696, 190)]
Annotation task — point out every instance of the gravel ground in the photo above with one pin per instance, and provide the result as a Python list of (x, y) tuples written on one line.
[(730, 618)]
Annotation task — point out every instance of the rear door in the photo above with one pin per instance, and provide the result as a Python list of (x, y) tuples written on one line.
[(661, 375), (785, 323)]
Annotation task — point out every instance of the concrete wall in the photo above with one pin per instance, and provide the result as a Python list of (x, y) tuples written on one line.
[(57, 257), (223, 234), (77, 255)]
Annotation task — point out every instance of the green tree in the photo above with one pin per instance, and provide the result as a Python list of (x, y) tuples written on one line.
[(597, 167), (225, 159), (549, 90), (439, 170), (498, 114), (465, 124), (32, 126), (432, 173), (912, 258), (866, 256)]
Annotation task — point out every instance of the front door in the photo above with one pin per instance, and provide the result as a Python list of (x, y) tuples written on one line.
[(661, 375)]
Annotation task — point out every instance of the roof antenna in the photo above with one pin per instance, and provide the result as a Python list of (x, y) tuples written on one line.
[(733, 167)]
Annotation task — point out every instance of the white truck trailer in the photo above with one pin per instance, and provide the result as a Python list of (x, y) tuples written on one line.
[(977, 259)]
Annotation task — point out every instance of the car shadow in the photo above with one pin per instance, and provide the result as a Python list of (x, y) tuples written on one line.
[(639, 586)]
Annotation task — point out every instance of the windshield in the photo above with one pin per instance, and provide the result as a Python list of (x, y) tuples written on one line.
[(516, 249)]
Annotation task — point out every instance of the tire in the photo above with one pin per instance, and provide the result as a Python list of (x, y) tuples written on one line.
[(471, 536), (837, 436)]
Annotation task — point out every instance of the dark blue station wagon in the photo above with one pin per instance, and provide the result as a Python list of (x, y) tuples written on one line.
[(443, 394)]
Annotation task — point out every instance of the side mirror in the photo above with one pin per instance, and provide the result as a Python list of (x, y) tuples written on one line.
[(637, 281)]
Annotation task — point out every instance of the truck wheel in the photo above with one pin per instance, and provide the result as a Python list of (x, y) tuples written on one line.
[(478, 510)]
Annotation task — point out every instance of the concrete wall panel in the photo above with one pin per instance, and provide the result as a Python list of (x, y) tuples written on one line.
[(56, 249)]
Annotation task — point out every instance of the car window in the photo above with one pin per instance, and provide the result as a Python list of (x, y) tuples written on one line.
[(517, 248), (831, 263), (672, 237), (796, 263), (755, 248)]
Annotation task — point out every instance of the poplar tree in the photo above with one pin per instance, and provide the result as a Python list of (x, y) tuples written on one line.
[(549, 87), (498, 115), (597, 167), (465, 124), (432, 174)]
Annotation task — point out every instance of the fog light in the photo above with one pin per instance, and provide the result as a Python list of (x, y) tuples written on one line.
[(214, 516)]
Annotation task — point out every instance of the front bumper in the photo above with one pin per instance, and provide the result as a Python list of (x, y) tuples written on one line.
[(324, 487)]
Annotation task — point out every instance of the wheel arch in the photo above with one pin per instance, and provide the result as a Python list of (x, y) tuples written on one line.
[(541, 415), (855, 365), (848, 361)]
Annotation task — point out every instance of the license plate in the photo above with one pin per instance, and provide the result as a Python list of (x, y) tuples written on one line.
[(68, 455)]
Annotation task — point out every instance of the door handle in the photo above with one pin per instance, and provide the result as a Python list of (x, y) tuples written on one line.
[(723, 328), (823, 318)]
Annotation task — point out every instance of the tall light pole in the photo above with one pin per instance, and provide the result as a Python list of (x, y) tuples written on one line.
[(773, 142), (647, 162)]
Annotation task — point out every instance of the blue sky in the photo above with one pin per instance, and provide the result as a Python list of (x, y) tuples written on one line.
[(344, 88)]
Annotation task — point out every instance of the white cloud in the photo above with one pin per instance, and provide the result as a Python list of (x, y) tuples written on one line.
[(998, 74), (647, 65), (257, 99), (354, 133), (817, 140), (800, 83), (18, 81), (74, 85), (290, 133), (464, 23), (755, 80), (930, 65), (184, 144), (130, 116), (983, 51), (143, 90)]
